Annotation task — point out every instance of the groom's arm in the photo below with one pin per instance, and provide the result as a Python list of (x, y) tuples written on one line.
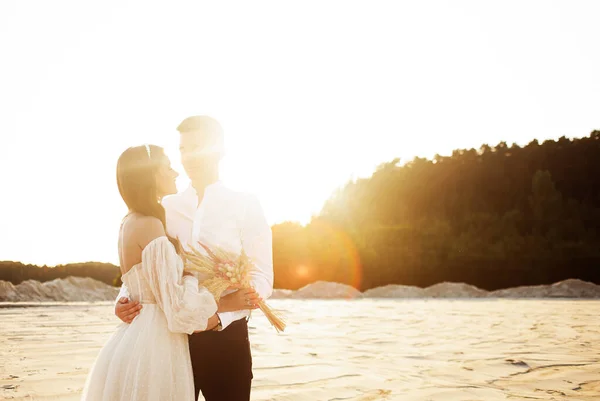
[(257, 241)]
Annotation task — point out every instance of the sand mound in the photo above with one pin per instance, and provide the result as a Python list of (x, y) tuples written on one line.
[(442, 290), (78, 289), (70, 289), (282, 294), (326, 290), (395, 291), (7, 290), (454, 290), (571, 288)]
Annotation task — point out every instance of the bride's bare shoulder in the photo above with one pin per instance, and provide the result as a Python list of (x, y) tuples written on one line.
[(146, 229)]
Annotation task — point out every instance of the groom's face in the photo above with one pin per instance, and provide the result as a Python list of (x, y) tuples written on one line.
[(196, 157)]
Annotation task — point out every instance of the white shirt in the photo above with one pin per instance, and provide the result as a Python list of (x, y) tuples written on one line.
[(228, 219)]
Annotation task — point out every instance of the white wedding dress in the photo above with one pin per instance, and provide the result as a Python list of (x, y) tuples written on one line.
[(149, 359)]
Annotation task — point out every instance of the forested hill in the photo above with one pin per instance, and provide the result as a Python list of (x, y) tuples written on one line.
[(495, 217), (17, 272)]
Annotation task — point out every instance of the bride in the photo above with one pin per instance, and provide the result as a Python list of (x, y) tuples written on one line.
[(149, 359)]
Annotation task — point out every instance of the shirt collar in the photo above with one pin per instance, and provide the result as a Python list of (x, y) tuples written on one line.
[(190, 192)]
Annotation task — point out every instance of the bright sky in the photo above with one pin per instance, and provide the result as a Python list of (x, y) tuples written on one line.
[(310, 93)]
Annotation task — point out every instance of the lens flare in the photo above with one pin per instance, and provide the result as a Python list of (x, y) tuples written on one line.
[(341, 256)]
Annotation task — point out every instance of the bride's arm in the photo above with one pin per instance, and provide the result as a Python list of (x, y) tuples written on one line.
[(213, 321), (186, 306)]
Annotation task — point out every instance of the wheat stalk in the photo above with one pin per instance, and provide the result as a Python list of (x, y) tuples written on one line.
[(225, 269), (274, 318)]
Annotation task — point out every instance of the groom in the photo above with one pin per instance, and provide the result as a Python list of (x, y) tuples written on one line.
[(208, 211)]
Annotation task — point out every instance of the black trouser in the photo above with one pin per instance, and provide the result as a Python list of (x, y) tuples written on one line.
[(222, 363)]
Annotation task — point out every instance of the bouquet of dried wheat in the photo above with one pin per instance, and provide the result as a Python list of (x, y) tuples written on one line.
[(223, 270)]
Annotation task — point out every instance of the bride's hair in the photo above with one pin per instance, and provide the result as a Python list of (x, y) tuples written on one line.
[(137, 169)]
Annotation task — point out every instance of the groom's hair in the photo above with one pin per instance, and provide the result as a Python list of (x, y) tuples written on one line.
[(204, 123)]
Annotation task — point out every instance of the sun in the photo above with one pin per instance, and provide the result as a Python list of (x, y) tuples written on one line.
[(302, 271)]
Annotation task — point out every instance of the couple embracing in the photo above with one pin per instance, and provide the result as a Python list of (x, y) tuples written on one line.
[(175, 340)]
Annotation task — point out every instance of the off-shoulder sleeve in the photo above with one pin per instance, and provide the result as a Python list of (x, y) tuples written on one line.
[(186, 306)]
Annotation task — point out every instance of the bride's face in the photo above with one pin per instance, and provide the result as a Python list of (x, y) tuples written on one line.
[(165, 179)]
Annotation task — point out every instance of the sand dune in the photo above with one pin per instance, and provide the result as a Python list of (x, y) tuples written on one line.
[(395, 291), (454, 290), (562, 289), (74, 289), (356, 350), (565, 289), (323, 289), (59, 290)]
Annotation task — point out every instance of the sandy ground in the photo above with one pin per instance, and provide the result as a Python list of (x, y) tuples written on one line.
[(348, 350)]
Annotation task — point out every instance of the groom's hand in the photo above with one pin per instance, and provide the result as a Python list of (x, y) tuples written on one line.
[(244, 298), (126, 310)]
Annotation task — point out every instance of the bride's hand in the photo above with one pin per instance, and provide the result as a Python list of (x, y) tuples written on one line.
[(244, 298)]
